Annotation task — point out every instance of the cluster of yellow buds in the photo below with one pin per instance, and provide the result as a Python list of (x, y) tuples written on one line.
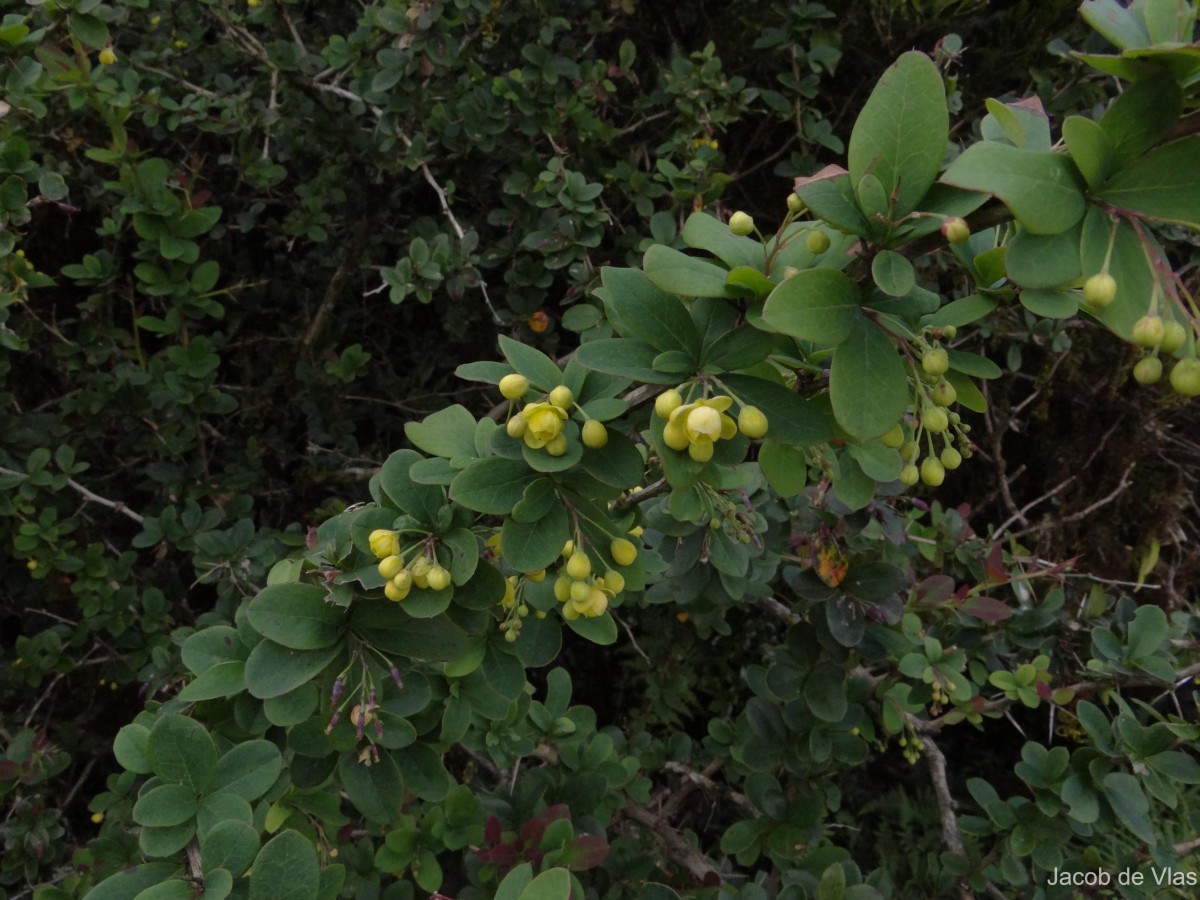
[(540, 424), (697, 426), (580, 590), (422, 570), (515, 608), (911, 745)]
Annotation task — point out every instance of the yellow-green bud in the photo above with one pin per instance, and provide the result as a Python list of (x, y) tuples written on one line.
[(579, 566), (623, 552), (817, 242), (595, 435), (667, 402), (795, 204), (741, 224), (514, 386), (390, 565), (1148, 331), (1174, 337), (384, 543), (438, 578), (1100, 290), (562, 397), (752, 422)]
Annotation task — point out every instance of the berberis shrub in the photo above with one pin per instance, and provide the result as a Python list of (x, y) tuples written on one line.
[(717, 486)]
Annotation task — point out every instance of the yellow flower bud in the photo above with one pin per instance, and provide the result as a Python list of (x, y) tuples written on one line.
[(579, 566), (557, 446), (623, 552), (390, 566), (384, 543), (752, 422), (741, 224), (667, 402), (514, 386), (562, 397), (595, 435), (393, 593), (614, 581), (107, 57), (439, 578)]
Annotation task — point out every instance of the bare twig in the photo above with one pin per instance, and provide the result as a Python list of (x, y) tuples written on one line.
[(89, 495), (633, 640), (776, 608), (337, 283), (675, 845), (941, 788)]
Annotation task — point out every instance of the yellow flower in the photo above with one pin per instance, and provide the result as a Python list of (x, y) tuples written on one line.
[(703, 425), (544, 423)]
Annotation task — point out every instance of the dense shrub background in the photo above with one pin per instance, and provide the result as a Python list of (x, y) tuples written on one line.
[(239, 259)]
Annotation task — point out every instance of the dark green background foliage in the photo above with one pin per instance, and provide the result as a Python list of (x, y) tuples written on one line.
[(238, 260)]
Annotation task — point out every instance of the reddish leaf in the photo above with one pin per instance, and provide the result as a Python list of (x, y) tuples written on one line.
[(1043, 690), (586, 852), (935, 590), (492, 830), (993, 566), (831, 565), (987, 608)]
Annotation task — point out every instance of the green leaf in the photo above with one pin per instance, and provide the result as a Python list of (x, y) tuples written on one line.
[(900, 135), (221, 807), (893, 273), (600, 630), (867, 383), (973, 364), (1023, 124), (1143, 114), (388, 627), (640, 310), (421, 501), (791, 419), (624, 357), (222, 680), (962, 311), (180, 749), (750, 281), (273, 670), (1164, 184), (90, 30), (618, 463), (1147, 632), (532, 363), (741, 348), (167, 804), (677, 273), (832, 885), (1040, 188), (423, 773), (128, 883), (493, 485), (1051, 304), (229, 845), (1118, 25), (449, 433), (825, 692), (784, 467), (552, 885), (818, 305), (166, 841), (529, 546), (1125, 795), (515, 882), (207, 647), (1091, 149), (286, 868), (130, 748), (830, 196), (247, 769), (705, 232), (377, 791), (1044, 260), (293, 707), (297, 616)]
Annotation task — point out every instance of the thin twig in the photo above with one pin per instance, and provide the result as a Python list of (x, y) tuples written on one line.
[(676, 846), (89, 495), (357, 242), (946, 804), (633, 640)]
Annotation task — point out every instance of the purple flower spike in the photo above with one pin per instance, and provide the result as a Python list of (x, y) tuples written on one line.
[(332, 722), (371, 704), (396, 678), (379, 728), (336, 695)]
